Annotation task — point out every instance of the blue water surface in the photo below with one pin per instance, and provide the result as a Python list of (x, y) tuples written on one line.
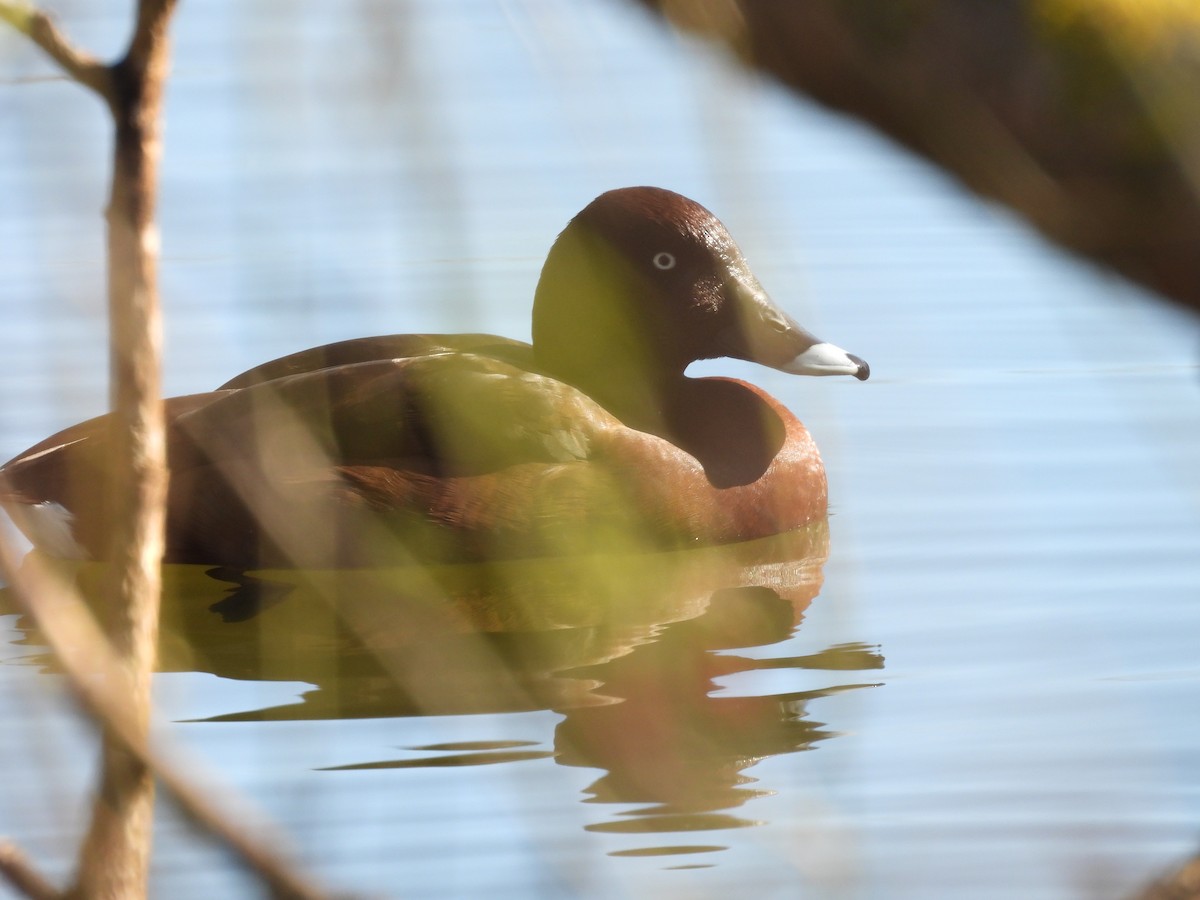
[(1015, 495)]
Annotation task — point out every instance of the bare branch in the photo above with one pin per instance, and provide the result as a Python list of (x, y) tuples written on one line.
[(114, 858), (40, 28), (21, 875), (152, 19)]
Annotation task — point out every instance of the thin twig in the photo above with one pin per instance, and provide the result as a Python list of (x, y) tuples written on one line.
[(41, 29), (19, 871)]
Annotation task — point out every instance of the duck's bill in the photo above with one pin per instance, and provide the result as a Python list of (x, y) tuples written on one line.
[(769, 336), (772, 338), (826, 359)]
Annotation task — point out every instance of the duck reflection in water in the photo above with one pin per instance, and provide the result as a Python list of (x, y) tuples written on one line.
[(673, 741), (628, 650)]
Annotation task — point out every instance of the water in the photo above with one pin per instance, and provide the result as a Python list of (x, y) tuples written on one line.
[(1016, 506)]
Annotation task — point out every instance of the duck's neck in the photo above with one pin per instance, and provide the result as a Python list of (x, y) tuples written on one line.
[(727, 426), (596, 326), (640, 397), (724, 424)]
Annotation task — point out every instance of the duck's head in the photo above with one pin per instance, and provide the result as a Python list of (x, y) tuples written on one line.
[(643, 282)]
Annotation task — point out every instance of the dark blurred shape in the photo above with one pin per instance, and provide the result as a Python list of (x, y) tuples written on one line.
[(1181, 884), (1081, 116)]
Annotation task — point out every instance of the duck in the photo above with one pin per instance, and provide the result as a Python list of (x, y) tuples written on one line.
[(437, 447)]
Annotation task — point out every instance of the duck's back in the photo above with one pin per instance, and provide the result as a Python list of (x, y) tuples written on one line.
[(381, 347)]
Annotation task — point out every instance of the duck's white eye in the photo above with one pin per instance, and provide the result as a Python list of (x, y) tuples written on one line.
[(664, 261)]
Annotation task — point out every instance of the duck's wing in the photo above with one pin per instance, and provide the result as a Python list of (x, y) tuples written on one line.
[(424, 439), (384, 347), (448, 413), (445, 456)]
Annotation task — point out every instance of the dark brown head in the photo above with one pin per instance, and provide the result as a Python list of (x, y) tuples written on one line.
[(644, 281)]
